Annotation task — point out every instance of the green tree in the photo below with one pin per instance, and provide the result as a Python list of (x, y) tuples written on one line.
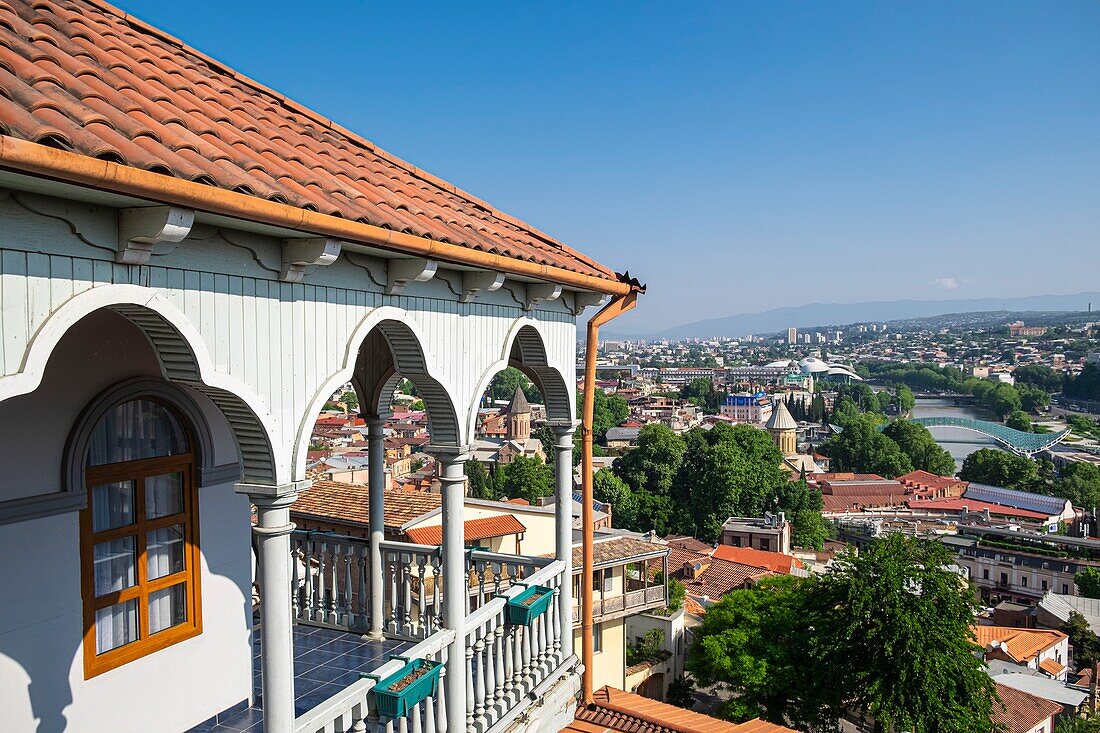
[(546, 437), (1033, 399), (1086, 645), (1088, 582), (700, 392), (728, 472), (681, 692), (653, 465), (527, 478), (350, 399), (998, 468), (756, 643), (803, 507), (1080, 483), (608, 487), (1085, 385), (607, 412), (478, 479), (862, 448), (1003, 399), (504, 383), (923, 451), (1073, 724), (1040, 376), (1019, 420), (904, 401)]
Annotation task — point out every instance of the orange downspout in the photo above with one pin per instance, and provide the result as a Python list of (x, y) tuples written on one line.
[(61, 165), (619, 304)]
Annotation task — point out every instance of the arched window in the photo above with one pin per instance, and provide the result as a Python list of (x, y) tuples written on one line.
[(139, 534)]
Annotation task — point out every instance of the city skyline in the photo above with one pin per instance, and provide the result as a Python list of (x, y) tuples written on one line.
[(803, 153)]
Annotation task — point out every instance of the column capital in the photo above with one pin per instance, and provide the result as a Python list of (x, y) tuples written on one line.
[(450, 453), (266, 493), (375, 420)]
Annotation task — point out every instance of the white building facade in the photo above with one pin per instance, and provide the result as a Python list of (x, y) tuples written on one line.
[(166, 343)]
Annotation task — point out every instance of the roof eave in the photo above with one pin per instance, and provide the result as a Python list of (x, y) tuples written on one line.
[(29, 158)]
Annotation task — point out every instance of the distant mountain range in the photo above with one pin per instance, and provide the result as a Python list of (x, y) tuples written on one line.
[(818, 314)]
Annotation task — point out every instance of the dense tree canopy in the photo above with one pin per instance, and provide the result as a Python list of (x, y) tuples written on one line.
[(1085, 385), (1038, 375), (503, 385), (608, 487), (1086, 645), (480, 484), (891, 625), (923, 451), (654, 463), (863, 448), (1088, 582), (1019, 420), (998, 468), (608, 411), (701, 392), (526, 478)]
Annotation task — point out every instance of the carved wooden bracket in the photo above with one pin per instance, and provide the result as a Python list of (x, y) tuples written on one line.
[(479, 282), (298, 254), (400, 273), (141, 228), (584, 299), (539, 292)]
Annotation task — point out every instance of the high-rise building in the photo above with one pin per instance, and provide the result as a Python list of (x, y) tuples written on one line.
[(792, 335)]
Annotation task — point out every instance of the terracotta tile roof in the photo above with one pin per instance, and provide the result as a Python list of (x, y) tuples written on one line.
[(973, 505), (616, 710), (335, 501), (1019, 712), (683, 542), (473, 530), (722, 576), (617, 549), (694, 607), (83, 76), (1052, 667), (858, 502), (1022, 644), (922, 479), (774, 561)]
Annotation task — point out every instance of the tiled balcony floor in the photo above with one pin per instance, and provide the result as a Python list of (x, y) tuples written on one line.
[(325, 661)]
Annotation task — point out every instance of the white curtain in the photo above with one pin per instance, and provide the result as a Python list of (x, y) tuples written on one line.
[(116, 625), (167, 607), (134, 430), (164, 551), (113, 564), (112, 505)]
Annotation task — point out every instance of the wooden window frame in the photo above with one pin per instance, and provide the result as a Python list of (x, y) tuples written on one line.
[(138, 471)]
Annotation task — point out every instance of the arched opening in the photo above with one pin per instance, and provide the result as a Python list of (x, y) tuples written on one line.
[(512, 425)]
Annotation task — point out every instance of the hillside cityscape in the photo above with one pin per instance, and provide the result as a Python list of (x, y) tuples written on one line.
[(789, 422)]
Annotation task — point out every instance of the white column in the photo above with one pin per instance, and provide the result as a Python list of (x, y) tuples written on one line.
[(272, 530), (376, 468), (451, 460), (563, 524)]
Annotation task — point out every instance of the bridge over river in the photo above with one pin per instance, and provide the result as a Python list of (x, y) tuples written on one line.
[(1012, 440)]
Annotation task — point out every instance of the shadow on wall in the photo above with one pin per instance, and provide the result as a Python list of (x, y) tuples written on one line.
[(42, 686)]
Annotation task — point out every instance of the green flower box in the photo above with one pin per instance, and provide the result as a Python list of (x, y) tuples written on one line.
[(528, 605), (397, 694)]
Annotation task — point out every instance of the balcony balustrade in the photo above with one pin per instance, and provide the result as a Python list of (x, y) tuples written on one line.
[(505, 663)]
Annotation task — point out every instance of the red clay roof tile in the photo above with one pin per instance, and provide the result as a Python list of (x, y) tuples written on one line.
[(105, 84)]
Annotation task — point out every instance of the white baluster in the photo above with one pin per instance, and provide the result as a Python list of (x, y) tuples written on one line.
[(490, 669), (310, 591), (498, 661), (362, 556), (406, 594), (422, 602), (479, 681), (470, 683), (392, 568)]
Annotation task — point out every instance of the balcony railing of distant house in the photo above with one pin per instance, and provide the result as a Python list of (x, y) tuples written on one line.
[(505, 662)]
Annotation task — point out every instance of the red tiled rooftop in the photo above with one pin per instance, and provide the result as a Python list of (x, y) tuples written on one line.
[(922, 479), (774, 561), (616, 710), (85, 77), (1019, 712), (972, 505), (720, 577), (473, 530)]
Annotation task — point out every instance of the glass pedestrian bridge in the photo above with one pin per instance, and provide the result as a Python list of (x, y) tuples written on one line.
[(1012, 440)]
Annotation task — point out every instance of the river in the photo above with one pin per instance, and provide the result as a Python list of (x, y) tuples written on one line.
[(958, 442)]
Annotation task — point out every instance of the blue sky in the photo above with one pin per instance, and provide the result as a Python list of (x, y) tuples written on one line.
[(734, 156)]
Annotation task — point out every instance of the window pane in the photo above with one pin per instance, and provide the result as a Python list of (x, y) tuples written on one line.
[(164, 550), (163, 495), (115, 564), (112, 505), (116, 625), (167, 607), (135, 430)]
